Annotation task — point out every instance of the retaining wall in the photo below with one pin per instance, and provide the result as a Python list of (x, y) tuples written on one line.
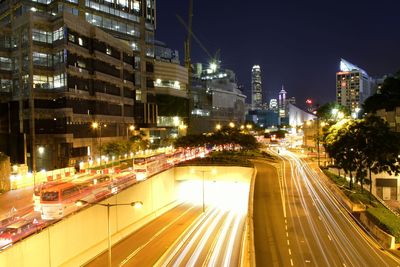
[(387, 241)]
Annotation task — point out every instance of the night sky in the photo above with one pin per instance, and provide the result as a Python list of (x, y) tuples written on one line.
[(296, 43)]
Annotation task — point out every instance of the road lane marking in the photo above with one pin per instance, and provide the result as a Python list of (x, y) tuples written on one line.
[(290, 251), (288, 243), (291, 262), (153, 237), (330, 239)]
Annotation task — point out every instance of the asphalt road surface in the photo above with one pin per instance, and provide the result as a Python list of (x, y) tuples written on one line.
[(185, 236), (297, 221)]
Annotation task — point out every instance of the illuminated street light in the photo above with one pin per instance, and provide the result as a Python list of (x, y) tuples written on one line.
[(95, 125), (218, 126), (213, 172), (130, 128), (135, 204), (231, 124), (41, 150)]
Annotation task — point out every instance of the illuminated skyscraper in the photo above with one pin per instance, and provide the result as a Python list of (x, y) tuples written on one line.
[(282, 103), (273, 104), (256, 87), (353, 85)]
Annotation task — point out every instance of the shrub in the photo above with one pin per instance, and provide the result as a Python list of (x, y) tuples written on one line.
[(386, 220)]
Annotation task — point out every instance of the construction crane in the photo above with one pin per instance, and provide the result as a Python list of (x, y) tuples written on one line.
[(188, 50)]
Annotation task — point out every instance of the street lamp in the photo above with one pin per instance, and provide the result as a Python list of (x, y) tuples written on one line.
[(218, 127), (202, 172), (135, 204), (95, 126), (130, 128)]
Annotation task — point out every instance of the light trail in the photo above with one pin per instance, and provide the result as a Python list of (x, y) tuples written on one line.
[(215, 239), (334, 229)]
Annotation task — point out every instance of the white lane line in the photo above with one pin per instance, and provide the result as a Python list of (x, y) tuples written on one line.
[(154, 237), (330, 239), (228, 255), (287, 234), (221, 239), (290, 251), (286, 227), (291, 262), (198, 232), (288, 243), (200, 246)]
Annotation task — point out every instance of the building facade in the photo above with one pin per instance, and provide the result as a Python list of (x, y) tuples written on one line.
[(282, 103), (216, 99), (67, 64), (171, 80), (353, 86), (256, 88)]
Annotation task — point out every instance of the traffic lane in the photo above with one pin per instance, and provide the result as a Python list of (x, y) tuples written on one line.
[(181, 217), (349, 244), (16, 202), (197, 247), (362, 249), (310, 240), (269, 222)]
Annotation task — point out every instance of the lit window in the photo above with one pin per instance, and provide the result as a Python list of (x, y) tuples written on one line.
[(108, 51), (80, 41), (71, 38)]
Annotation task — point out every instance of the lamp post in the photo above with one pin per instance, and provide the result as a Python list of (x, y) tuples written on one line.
[(130, 128), (95, 126), (135, 204), (203, 190)]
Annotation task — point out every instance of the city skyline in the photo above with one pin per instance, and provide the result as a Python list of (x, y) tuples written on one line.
[(291, 41)]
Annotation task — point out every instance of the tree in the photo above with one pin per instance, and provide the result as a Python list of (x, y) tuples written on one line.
[(226, 136), (324, 112), (340, 144), (364, 145), (381, 147), (115, 148), (138, 141), (387, 98)]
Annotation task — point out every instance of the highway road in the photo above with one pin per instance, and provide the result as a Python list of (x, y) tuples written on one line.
[(298, 222), (215, 239), (185, 236)]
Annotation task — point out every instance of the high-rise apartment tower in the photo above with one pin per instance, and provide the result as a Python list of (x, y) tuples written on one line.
[(353, 86), (256, 87)]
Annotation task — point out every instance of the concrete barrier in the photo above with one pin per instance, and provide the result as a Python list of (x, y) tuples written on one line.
[(384, 239), (248, 254)]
